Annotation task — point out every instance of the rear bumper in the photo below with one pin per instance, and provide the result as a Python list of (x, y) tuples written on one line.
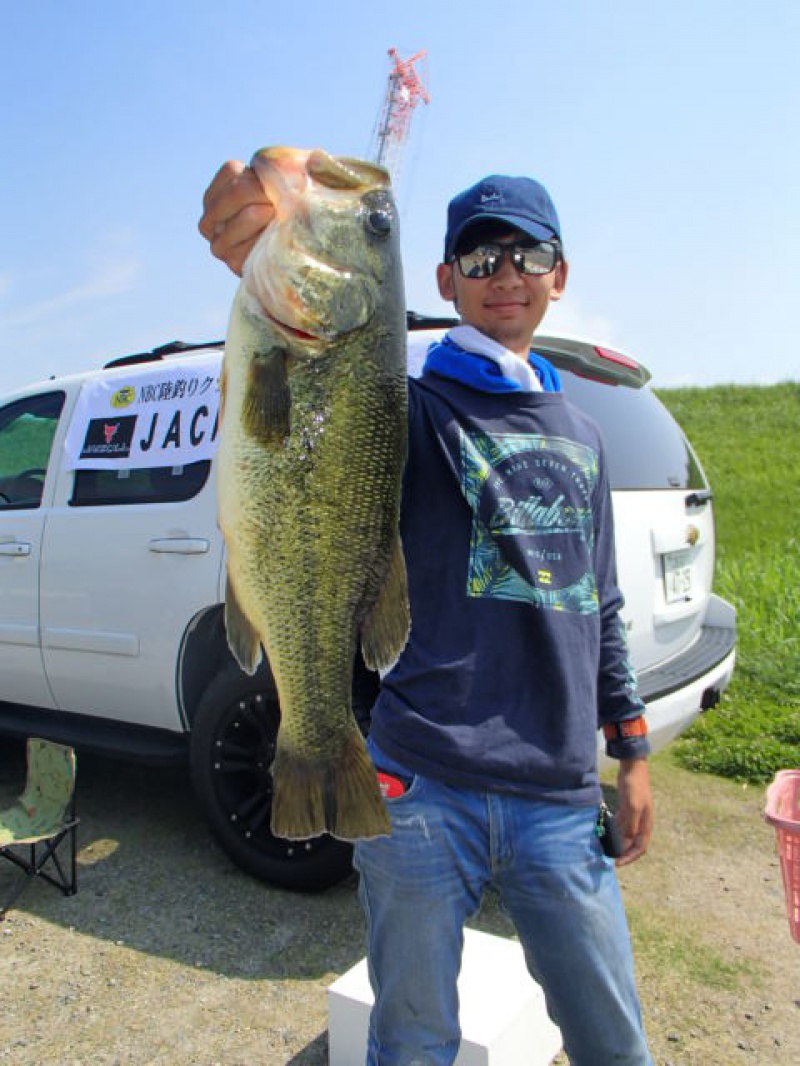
[(713, 646), (677, 691)]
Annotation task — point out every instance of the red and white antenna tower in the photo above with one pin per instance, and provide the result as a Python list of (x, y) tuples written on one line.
[(404, 91)]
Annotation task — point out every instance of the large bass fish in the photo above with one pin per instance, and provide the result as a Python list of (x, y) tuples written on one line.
[(312, 447)]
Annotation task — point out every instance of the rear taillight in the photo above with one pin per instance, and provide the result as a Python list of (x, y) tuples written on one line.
[(616, 357)]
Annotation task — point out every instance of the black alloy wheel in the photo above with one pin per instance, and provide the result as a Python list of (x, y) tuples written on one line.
[(232, 748)]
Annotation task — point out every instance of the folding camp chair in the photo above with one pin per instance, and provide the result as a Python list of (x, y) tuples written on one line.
[(42, 819)]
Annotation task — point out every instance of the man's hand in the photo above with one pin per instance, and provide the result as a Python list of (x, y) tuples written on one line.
[(235, 211), (635, 811)]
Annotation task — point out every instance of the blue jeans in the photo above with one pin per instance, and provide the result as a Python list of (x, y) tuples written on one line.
[(419, 885)]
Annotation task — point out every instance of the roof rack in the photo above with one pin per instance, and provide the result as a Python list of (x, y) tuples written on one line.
[(414, 320), (163, 350), (582, 358)]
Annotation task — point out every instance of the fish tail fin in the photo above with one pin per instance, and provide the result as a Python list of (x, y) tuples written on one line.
[(244, 642), (385, 629), (340, 796)]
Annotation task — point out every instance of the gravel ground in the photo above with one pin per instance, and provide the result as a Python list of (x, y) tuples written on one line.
[(169, 956)]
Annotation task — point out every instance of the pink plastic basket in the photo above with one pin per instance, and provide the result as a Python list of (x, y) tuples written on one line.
[(783, 811)]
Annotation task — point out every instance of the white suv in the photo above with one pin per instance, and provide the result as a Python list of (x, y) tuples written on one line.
[(112, 578)]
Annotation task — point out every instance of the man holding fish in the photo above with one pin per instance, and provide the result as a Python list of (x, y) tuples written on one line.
[(484, 731)]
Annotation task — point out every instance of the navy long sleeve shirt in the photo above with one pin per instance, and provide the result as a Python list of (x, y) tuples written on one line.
[(516, 653)]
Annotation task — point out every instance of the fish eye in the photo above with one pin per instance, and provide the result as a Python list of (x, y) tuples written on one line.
[(379, 223)]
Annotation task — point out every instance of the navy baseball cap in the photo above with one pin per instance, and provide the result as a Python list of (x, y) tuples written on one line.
[(520, 202)]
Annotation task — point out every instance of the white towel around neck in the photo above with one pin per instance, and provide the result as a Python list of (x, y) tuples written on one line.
[(519, 370)]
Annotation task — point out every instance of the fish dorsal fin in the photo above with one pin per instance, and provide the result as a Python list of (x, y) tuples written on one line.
[(243, 640), (384, 631), (267, 401)]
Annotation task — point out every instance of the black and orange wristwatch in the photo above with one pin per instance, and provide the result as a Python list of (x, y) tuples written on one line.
[(630, 727)]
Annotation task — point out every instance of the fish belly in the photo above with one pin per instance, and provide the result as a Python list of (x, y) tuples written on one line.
[(311, 530)]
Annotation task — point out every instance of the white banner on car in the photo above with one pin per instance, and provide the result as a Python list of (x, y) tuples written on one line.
[(164, 416)]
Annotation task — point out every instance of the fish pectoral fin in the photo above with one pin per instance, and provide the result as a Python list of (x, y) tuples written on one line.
[(337, 793), (384, 631), (243, 640), (267, 401)]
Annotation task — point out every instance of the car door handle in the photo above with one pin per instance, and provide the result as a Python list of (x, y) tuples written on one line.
[(699, 498), (180, 545), (15, 547)]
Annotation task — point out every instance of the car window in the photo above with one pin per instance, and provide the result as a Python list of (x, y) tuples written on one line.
[(645, 446), (27, 429), (157, 484)]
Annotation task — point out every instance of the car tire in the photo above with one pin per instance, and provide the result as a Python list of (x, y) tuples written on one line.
[(232, 746)]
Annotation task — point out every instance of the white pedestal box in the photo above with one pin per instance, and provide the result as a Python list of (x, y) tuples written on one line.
[(504, 1021)]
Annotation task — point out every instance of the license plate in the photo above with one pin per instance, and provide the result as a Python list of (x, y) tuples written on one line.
[(677, 576)]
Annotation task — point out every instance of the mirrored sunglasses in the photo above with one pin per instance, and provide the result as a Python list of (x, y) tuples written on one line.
[(528, 257)]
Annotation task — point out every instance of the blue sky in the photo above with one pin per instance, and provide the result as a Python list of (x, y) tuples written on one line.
[(666, 132)]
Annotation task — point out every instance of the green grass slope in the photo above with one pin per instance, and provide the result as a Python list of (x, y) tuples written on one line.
[(748, 440)]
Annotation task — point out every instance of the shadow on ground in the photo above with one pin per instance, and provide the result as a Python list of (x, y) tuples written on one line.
[(169, 955), (150, 876)]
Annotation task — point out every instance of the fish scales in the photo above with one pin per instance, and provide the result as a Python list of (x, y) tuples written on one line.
[(309, 496)]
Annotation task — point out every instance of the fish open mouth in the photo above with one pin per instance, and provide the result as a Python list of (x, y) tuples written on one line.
[(293, 331)]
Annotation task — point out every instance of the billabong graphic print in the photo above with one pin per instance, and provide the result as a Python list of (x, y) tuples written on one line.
[(532, 526)]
